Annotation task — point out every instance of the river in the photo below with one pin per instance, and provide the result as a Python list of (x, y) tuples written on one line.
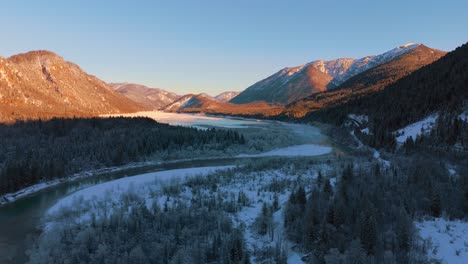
[(19, 220)]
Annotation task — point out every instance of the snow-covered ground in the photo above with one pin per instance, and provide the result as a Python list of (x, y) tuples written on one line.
[(353, 135), (112, 190), (449, 240), (298, 150), (255, 187), (365, 131), (378, 157), (464, 116), (99, 200), (375, 153), (193, 120), (416, 129)]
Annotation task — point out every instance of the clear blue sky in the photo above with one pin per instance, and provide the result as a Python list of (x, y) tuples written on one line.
[(214, 46)]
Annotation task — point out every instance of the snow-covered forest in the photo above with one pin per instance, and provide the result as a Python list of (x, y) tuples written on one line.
[(276, 210)]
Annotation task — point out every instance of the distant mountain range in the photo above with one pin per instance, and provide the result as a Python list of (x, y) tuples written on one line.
[(40, 84), (291, 84), (152, 98), (159, 99)]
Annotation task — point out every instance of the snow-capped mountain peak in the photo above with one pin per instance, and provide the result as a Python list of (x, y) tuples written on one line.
[(343, 69), (340, 69), (292, 83)]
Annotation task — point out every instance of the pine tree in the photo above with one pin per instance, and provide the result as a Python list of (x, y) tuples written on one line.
[(435, 204), (368, 233), (319, 179), (403, 231)]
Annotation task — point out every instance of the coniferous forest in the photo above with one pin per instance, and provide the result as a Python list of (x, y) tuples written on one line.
[(37, 151)]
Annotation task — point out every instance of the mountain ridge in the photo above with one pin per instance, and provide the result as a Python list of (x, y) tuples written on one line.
[(334, 73), (369, 81)]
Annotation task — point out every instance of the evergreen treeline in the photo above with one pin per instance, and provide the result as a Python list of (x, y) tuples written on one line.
[(172, 234), (440, 86), (36, 151), (368, 217)]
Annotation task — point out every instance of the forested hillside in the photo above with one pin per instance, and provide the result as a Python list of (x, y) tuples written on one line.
[(36, 151)]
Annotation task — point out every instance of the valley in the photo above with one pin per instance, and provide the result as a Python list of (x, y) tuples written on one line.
[(233, 133)]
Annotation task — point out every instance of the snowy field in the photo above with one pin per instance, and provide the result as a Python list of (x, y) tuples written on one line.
[(449, 240), (416, 129), (111, 191), (299, 150), (194, 120)]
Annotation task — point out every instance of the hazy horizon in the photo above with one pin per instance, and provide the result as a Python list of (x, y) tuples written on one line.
[(214, 47)]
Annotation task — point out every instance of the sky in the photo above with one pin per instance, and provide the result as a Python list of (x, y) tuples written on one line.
[(215, 46)]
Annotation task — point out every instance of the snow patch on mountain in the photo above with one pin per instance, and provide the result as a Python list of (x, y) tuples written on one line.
[(180, 103), (368, 62), (226, 96), (153, 98), (283, 77), (340, 69)]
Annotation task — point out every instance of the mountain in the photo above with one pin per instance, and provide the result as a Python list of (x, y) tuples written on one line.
[(41, 84), (152, 98), (369, 81), (203, 103), (439, 86), (226, 96), (291, 84)]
